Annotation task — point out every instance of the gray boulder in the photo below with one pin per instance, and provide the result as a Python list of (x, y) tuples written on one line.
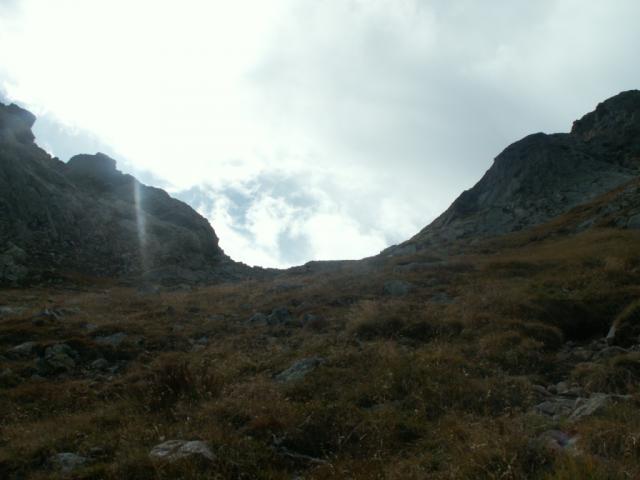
[(564, 389), (610, 352), (279, 316), (25, 349), (300, 369), (68, 462), (99, 364), (57, 358), (51, 314), (556, 407), (174, 450), (595, 403), (258, 319)]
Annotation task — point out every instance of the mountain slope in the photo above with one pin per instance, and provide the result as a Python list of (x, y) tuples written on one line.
[(86, 216), (542, 176), (514, 356), (490, 364)]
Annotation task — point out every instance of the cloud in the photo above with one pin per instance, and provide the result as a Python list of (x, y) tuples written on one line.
[(279, 219), (307, 129), (437, 88), (8, 7)]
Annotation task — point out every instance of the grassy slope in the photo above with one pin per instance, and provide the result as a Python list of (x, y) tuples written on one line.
[(412, 387)]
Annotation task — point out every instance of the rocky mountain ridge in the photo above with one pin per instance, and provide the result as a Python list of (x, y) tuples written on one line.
[(87, 217), (542, 176)]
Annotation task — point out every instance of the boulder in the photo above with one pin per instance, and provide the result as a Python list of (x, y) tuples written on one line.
[(100, 364), (68, 462), (566, 390), (595, 403), (57, 358), (279, 316), (25, 349), (540, 390), (48, 314), (258, 319), (556, 407), (610, 352), (299, 369), (174, 450)]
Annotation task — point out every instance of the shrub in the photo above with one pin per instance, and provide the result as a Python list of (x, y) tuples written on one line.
[(398, 320), (618, 375), (513, 351), (549, 336), (172, 378)]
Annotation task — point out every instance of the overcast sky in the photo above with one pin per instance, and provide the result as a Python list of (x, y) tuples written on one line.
[(311, 129)]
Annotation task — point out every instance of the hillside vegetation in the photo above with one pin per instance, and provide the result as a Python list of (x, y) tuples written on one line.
[(487, 360), (500, 342)]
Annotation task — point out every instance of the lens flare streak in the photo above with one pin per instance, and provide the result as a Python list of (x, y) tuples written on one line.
[(141, 225)]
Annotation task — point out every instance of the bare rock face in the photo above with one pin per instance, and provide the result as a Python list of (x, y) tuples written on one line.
[(542, 176), (86, 216), (613, 129), (15, 125)]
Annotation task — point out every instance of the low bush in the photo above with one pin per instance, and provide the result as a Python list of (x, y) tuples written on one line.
[(619, 374), (514, 352), (397, 320), (172, 378)]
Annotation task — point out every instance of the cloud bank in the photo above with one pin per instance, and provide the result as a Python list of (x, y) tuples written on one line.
[(305, 129)]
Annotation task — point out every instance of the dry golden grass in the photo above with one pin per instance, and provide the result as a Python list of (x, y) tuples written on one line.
[(410, 388)]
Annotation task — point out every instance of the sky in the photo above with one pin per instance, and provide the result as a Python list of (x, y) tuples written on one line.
[(311, 129)]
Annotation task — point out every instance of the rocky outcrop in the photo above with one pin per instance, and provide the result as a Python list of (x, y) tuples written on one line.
[(85, 216), (542, 176)]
